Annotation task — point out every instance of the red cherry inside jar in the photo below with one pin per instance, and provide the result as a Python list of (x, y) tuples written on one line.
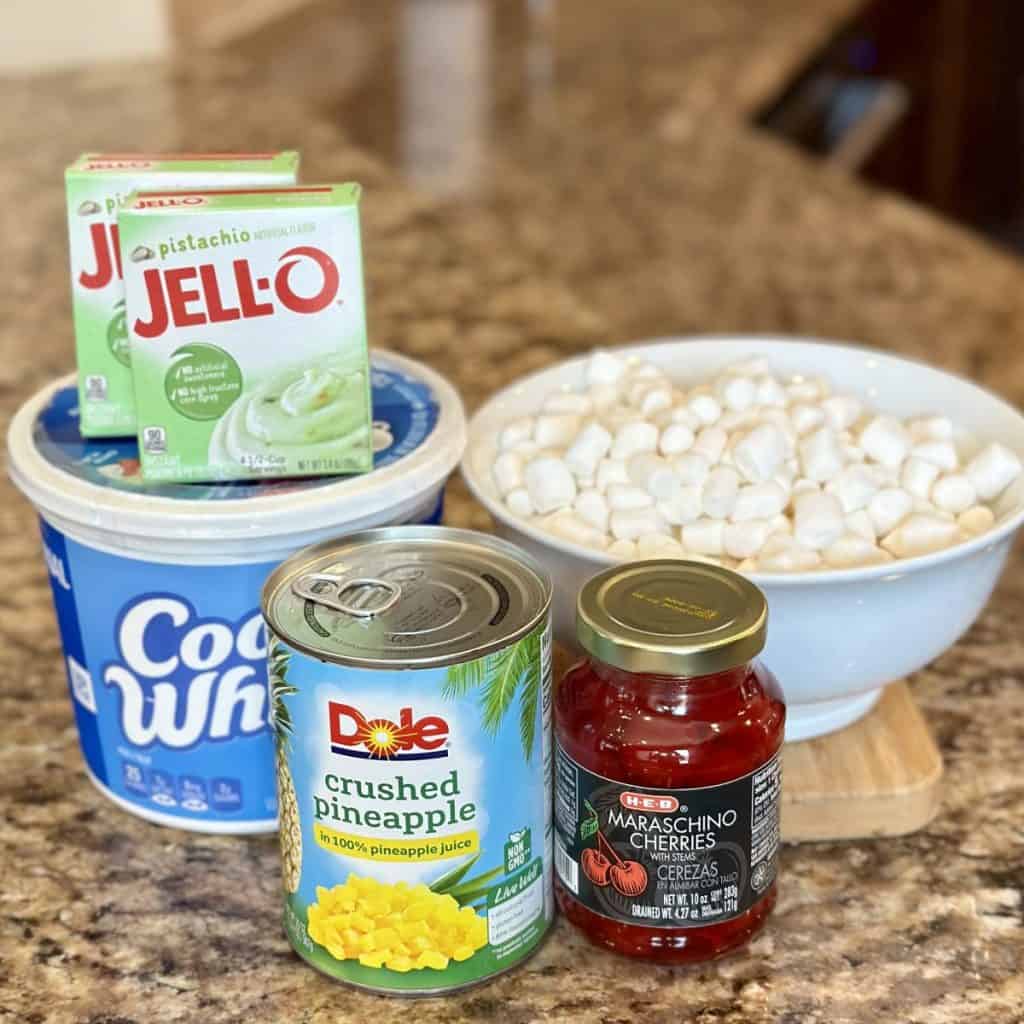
[(667, 768)]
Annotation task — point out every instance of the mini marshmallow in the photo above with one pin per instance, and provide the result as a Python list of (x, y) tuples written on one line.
[(976, 519), (519, 504), (633, 438), (744, 540), (917, 477), (855, 486), (888, 508), (573, 529), (806, 418), (720, 490), (780, 524), (790, 557), (931, 428), (821, 455), (610, 471), (777, 541), (568, 402), (585, 453), (920, 534), (770, 392), (653, 474), (841, 411), (676, 439), (650, 397), (731, 421), (705, 408), (760, 453), (604, 368), (658, 545), (940, 453), (710, 443), (759, 501), (684, 506), (549, 483), (992, 470), (624, 549), (885, 440), (603, 396), (817, 520), (704, 537), (556, 431), (626, 497), (681, 414), (736, 392), (692, 468), (629, 524), (507, 471), (954, 493), (752, 366), (592, 508), (799, 389), (515, 432), (648, 370), (859, 523), (801, 485), (852, 550)]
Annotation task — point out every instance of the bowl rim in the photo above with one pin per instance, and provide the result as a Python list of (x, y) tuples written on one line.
[(886, 571)]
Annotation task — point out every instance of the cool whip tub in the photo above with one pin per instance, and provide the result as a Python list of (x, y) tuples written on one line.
[(157, 590), (97, 185)]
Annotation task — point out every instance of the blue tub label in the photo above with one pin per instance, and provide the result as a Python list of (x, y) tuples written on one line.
[(166, 665)]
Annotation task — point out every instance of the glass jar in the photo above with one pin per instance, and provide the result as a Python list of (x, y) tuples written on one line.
[(667, 764)]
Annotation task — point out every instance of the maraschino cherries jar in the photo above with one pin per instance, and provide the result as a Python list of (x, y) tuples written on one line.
[(667, 763)]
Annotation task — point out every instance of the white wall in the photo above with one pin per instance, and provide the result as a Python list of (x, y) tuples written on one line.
[(47, 34)]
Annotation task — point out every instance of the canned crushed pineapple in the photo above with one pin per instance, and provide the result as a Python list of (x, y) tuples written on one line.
[(410, 676)]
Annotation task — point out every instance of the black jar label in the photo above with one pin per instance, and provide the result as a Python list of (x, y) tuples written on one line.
[(668, 858)]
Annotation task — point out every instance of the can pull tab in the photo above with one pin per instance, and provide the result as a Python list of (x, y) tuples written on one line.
[(362, 597)]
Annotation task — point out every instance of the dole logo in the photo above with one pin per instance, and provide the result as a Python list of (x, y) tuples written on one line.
[(408, 739), (649, 802), (193, 296)]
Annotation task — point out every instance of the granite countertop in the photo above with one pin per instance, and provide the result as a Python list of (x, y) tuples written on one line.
[(533, 188)]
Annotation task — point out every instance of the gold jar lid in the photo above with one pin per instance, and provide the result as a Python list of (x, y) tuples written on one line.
[(669, 617)]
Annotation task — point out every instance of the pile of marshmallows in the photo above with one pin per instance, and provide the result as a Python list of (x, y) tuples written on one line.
[(749, 470)]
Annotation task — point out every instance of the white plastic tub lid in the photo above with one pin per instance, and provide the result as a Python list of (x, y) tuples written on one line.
[(419, 430)]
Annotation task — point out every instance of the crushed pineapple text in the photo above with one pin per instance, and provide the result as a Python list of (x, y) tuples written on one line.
[(397, 926)]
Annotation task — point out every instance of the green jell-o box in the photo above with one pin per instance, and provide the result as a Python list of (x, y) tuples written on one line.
[(247, 327), (97, 184)]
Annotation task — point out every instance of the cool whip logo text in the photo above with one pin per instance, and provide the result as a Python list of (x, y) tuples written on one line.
[(408, 739), (183, 679), (208, 293)]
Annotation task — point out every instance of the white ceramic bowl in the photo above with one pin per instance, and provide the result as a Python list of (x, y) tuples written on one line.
[(835, 638)]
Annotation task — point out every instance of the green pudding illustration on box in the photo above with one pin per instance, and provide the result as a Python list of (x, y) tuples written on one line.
[(246, 321), (97, 186)]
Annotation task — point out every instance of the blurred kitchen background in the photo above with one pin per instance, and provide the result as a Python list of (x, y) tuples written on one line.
[(923, 97)]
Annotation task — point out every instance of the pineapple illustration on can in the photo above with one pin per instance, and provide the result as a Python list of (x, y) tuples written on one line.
[(410, 685)]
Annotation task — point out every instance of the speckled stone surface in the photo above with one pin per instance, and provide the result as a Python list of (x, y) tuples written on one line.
[(598, 180)]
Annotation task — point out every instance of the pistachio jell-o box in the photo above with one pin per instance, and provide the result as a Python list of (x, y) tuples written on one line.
[(247, 329), (97, 184)]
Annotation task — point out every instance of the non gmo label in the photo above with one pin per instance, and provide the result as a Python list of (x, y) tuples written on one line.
[(672, 858)]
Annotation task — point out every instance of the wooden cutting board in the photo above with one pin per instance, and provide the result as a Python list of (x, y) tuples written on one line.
[(877, 777)]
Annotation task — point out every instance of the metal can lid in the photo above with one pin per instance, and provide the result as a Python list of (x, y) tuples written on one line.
[(670, 617), (406, 597)]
